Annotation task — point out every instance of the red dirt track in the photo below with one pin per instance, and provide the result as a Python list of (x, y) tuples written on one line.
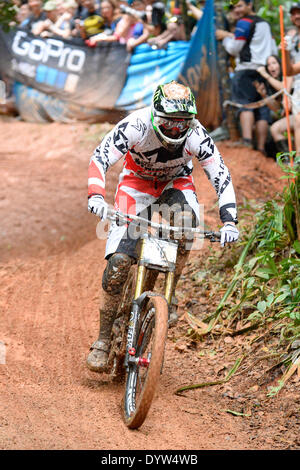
[(50, 269)]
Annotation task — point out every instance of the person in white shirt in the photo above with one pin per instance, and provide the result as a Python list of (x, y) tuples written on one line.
[(252, 43)]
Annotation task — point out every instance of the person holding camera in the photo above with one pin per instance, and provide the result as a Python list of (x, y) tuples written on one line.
[(130, 25), (138, 23), (152, 21), (90, 23), (111, 17)]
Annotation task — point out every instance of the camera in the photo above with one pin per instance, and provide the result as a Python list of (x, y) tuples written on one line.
[(132, 12), (158, 11)]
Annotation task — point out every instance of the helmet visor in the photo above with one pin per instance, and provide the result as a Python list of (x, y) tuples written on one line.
[(173, 128)]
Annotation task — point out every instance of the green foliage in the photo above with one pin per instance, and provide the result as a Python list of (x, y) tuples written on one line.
[(260, 276), (266, 281), (7, 14), (269, 10)]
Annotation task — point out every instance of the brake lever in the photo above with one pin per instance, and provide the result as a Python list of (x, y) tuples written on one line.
[(213, 236)]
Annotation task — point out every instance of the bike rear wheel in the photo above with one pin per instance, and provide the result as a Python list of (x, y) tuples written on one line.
[(146, 364)]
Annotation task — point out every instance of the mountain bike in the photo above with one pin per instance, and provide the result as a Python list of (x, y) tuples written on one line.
[(140, 329)]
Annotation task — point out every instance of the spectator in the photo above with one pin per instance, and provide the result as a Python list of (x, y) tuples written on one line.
[(231, 19), (294, 69), (91, 22), (23, 13), (272, 73), (175, 31), (292, 54), (79, 10), (129, 26), (251, 43), (43, 28), (156, 18), (78, 17), (36, 15), (294, 17), (194, 14), (141, 32), (151, 24), (63, 25), (194, 10), (111, 17), (146, 20)]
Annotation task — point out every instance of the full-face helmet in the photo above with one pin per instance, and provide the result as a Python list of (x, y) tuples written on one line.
[(173, 113)]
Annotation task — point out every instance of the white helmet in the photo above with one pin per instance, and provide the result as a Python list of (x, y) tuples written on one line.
[(173, 113)]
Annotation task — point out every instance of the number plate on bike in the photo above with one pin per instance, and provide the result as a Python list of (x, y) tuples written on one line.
[(160, 253)]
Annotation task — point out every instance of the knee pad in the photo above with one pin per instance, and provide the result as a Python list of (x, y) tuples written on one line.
[(115, 273)]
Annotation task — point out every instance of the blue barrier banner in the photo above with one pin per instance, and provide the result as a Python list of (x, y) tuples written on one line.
[(149, 67)]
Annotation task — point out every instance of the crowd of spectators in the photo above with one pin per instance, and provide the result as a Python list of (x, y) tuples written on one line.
[(254, 63), (257, 77), (92, 22)]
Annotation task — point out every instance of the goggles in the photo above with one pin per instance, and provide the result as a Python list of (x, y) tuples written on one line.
[(172, 130), (169, 124), (173, 127)]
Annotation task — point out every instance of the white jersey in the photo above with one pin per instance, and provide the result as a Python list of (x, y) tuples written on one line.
[(145, 157)]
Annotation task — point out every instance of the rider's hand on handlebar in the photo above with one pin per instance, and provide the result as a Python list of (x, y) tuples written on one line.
[(98, 206), (229, 234)]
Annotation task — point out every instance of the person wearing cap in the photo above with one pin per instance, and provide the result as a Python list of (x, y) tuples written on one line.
[(252, 44), (63, 24), (43, 28)]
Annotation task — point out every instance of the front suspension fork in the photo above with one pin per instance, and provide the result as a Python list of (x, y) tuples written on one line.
[(136, 308)]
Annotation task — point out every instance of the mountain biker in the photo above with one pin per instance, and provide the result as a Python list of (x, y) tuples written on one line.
[(158, 143)]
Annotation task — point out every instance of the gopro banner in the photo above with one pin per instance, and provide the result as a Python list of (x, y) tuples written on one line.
[(61, 80), (90, 77)]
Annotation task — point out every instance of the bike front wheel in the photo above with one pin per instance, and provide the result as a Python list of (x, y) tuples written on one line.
[(145, 362)]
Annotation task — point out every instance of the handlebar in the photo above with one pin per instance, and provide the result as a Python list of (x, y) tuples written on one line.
[(114, 215)]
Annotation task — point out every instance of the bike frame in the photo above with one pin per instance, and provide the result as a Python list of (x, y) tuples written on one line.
[(160, 262), (157, 254)]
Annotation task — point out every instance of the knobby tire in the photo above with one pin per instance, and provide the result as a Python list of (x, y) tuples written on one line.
[(153, 330), (118, 343)]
